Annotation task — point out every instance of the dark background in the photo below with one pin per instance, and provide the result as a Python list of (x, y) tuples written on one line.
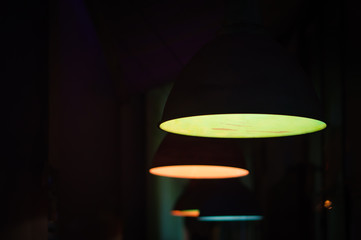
[(83, 87)]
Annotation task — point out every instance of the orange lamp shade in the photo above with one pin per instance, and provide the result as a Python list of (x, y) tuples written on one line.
[(192, 197), (199, 171), (185, 213), (198, 158)]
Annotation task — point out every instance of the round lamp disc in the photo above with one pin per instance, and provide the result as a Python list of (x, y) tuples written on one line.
[(232, 218), (242, 125), (186, 213), (198, 171)]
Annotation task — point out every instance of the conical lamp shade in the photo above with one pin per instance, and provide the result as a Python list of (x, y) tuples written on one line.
[(230, 201), (198, 158), (242, 85), (188, 203), (190, 212), (194, 194)]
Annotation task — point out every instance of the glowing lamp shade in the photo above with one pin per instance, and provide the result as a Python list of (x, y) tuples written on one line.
[(186, 213), (199, 171), (231, 201), (242, 125), (198, 158), (242, 85), (232, 218), (194, 194)]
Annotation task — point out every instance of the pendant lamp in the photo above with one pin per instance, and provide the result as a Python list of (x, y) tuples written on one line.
[(198, 158), (230, 201), (217, 200), (242, 84), (189, 202)]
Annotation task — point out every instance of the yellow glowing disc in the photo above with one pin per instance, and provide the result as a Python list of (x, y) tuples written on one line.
[(198, 171), (242, 125)]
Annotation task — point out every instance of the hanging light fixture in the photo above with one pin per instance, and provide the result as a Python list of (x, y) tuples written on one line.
[(230, 201), (189, 202), (185, 212), (198, 158), (243, 84), (217, 200)]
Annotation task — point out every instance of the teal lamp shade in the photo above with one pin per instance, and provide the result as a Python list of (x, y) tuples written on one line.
[(230, 201), (243, 84), (198, 158)]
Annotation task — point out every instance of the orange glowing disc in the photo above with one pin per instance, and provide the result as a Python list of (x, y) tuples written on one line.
[(186, 213), (199, 171)]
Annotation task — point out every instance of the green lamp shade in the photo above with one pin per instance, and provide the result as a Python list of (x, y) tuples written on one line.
[(242, 125), (198, 158), (242, 85)]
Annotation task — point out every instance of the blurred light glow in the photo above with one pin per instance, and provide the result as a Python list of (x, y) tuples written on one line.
[(232, 218), (242, 125), (186, 213), (199, 171), (327, 204)]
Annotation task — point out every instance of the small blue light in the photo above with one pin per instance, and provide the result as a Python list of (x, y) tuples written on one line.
[(232, 218)]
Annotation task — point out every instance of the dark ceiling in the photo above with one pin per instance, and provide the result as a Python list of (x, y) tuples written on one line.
[(147, 42)]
